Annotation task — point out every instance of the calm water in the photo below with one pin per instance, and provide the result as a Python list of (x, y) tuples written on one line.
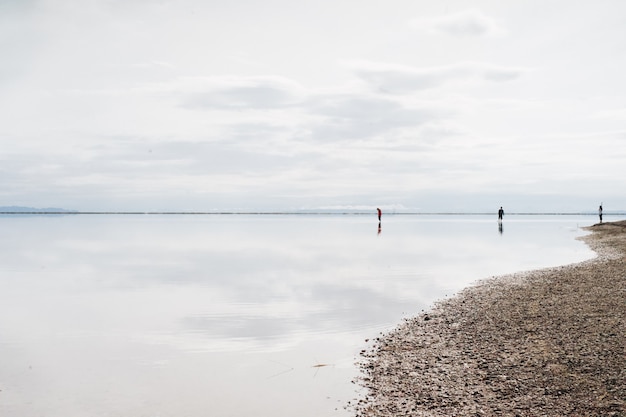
[(230, 315)]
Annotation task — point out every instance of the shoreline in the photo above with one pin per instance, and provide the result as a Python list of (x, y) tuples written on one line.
[(549, 342)]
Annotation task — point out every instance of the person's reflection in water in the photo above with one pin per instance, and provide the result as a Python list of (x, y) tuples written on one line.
[(380, 229), (500, 227)]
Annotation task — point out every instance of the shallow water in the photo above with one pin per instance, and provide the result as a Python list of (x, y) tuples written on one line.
[(231, 315)]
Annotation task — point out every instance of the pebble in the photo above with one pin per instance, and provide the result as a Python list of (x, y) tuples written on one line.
[(541, 343)]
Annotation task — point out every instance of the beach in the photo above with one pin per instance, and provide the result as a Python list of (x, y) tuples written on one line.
[(550, 342)]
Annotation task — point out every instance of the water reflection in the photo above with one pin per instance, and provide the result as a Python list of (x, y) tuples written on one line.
[(119, 312)]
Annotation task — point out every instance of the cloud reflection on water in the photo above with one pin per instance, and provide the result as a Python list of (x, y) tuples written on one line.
[(212, 298)]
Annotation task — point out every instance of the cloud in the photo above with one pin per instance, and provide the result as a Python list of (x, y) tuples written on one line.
[(618, 114), (279, 112), (399, 79), (115, 98), (465, 23), (365, 116), (239, 92)]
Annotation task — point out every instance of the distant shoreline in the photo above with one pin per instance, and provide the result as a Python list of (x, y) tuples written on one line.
[(305, 213)]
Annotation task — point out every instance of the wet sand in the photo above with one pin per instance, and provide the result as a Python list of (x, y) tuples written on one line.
[(543, 343)]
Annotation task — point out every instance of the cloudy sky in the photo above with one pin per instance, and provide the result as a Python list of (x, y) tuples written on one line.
[(280, 104)]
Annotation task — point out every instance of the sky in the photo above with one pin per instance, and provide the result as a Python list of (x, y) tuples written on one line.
[(407, 105)]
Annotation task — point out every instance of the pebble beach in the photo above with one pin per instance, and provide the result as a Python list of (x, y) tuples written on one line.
[(550, 342)]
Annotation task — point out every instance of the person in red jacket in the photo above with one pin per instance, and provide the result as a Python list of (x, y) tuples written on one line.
[(380, 213)]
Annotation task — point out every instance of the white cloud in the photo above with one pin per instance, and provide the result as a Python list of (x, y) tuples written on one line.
[(611, 114), (198, 104), (465, 23), (401, 79), (240, 92), (364, 116)]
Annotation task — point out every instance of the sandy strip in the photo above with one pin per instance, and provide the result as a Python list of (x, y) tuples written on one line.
[(544, 343)]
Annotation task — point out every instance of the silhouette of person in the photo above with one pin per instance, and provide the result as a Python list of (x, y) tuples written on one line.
[(380, 213), (600, 212), (500, 214)]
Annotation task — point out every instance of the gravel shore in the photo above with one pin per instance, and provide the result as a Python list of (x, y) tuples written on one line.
[(543, 343)]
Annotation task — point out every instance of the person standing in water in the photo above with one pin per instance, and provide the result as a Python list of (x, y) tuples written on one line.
[(380, 213), (500, 214), (600, 212)]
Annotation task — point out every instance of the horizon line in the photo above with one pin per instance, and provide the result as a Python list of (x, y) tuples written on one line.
[(358, 213)]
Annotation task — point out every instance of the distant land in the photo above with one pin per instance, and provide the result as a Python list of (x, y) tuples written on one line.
[(20, 209), (17, 210)]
